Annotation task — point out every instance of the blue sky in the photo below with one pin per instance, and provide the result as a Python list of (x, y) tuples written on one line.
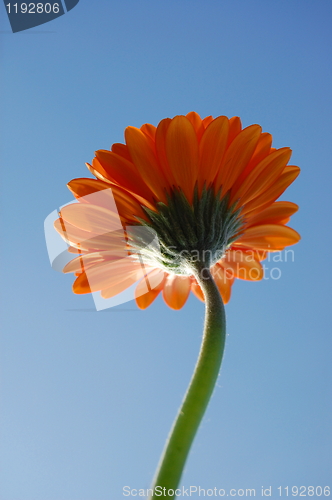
[(88, 398)]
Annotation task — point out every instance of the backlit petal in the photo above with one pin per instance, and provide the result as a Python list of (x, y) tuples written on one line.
[(272, 193), (145, 300), (149, 288), (146, 162), (107, 274), (84, 261), (197, 123), (119, 287), (161, 151), (206, 121), (262, 150), (182, 154), (268, 237), (124, 173), (197, 291), (87, 241), (237, 156), (98, 171), (242, 264), (211, 150), (102, 194), (92, 218), (274, 214), (263, 175), (235, 127), (176, 291), (223, 281), (149, 130), (121, 150)]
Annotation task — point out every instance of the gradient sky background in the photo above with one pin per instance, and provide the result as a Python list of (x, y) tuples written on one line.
[(88, 398)]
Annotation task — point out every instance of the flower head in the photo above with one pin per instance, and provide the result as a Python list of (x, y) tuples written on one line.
[(188, 190)]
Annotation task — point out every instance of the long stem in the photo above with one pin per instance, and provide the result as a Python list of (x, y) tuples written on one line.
[(200, 389)]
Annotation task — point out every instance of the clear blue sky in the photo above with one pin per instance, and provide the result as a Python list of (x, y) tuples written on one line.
[(87, 397)]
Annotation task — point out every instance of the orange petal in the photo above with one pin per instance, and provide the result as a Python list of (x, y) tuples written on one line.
[(87, 241), (270, 195), (76, 251), (146, 162), (92, 218), (83, 187), (149, 130), (262, 150), (161, 150), (197, 291), (237, 156), (263, 175), (121, 150), (98, 171), (274, 214), (176, 291), (72, 235), (242, 264), (206, 121), (211, 150), (235, 127), (149, 288), (268, 237), (154, 280), (119, 287), (128, 208), (256, 254), (197, 123), (102, 194), (223, 281), (84, 261), (107, 274), (195, 120), (182, 154), (77, 266), (145, 300), (124, 173)]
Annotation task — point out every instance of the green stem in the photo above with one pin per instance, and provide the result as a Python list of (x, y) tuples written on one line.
[(200, 389)]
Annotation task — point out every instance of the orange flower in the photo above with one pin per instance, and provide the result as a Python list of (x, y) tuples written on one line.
[(202, 189)]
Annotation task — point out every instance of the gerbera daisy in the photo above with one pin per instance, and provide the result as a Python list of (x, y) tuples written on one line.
[(188, 205), (204, 189)]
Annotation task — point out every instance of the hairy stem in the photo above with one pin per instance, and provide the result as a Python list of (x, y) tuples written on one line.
[(200, 389)]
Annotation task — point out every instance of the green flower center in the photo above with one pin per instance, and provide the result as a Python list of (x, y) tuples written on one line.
[(181, 234)]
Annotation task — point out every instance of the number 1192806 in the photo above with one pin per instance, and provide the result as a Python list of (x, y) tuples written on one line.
[(33, 8), (304, 491)]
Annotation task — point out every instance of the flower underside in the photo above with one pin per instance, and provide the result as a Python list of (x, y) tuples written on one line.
[(191, 190), (185, 234)]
